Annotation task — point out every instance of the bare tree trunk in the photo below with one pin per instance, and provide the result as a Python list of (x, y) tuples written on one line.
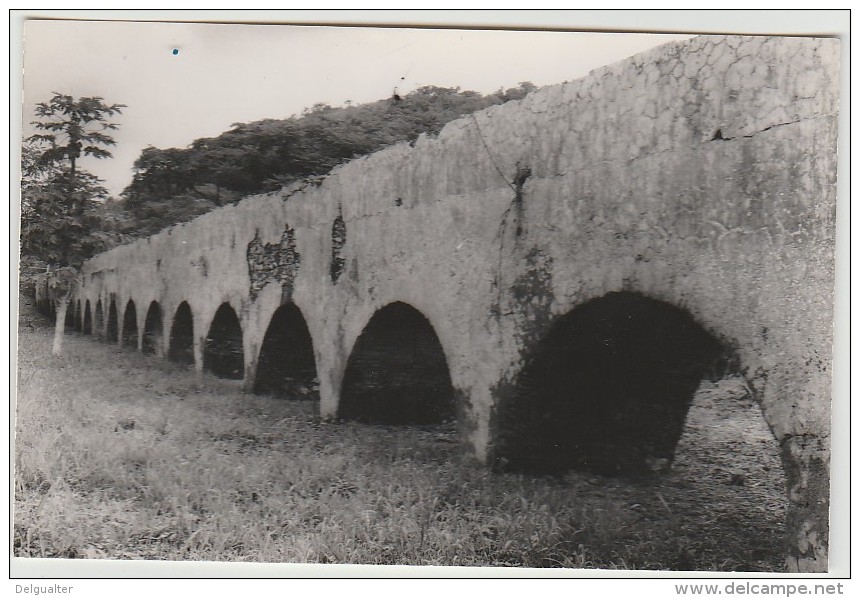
[(60, 325)]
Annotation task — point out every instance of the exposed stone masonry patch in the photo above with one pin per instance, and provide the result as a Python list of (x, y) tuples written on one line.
[(273, 262), (338, 240)]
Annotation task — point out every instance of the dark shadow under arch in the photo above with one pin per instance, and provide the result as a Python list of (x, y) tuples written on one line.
[(129, 325), (606, 390), (224, 354), (181, 349), (69, 322), (112, 330), (88, 319), (397, 372), (98, 318), (79, 316), (287, 366), (152, 330)]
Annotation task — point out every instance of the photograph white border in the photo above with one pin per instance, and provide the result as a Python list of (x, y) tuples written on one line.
[(785, 22)]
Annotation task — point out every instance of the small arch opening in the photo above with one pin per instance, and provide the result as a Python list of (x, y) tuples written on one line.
[(69, 321), (79, 317), (606, 390), (287, 366), (181, 348), (98, 319), (88, 319), (152, 330), (112, 330), (129, 325), (224, 353), (397, 372)]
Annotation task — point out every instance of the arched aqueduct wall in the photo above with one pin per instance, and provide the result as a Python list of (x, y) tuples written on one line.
[(700, 173)]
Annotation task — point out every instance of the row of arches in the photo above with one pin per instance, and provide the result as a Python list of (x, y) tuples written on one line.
[(181, 346), (397, 374), (606, 389)]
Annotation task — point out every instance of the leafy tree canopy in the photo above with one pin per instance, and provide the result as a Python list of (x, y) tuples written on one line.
[(74, 128), (62, 220), (59, 228)]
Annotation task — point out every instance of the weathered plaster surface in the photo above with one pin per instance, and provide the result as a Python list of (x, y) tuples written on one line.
[(700, 173)]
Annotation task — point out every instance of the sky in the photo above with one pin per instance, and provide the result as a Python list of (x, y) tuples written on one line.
[(182, 81)]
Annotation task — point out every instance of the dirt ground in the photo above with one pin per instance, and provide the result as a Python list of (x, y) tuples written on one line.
[(119, 455)]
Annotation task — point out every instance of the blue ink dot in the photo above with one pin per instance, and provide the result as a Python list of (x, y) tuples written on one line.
[(175, 51)]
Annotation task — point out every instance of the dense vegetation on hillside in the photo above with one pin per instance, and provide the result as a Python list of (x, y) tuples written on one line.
[(175, 185)]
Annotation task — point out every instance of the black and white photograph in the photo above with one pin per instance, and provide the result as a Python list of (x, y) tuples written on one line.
[(524, 299)]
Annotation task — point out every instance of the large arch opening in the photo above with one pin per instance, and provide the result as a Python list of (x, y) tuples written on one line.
[(397, 372), (606, 390), (224, 355), (112, 330), (79, 316), (88, 319), (152, 330), (129, 325), (287, 366), (99, 317), (181, 348)]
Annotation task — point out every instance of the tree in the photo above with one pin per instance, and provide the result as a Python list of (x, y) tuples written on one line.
[(62, 282), (74, 128), (175, 185), (60, 223), (62, 228), (57, 226)]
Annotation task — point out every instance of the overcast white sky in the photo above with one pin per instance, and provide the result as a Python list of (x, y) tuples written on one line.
[(224, 74)]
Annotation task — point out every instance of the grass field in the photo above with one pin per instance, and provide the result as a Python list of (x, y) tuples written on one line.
[(123, 456)]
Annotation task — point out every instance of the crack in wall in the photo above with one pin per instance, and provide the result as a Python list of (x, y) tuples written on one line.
[(718, 135), (516, 206)]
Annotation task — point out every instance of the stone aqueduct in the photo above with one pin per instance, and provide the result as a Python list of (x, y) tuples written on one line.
[(606, 240)]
